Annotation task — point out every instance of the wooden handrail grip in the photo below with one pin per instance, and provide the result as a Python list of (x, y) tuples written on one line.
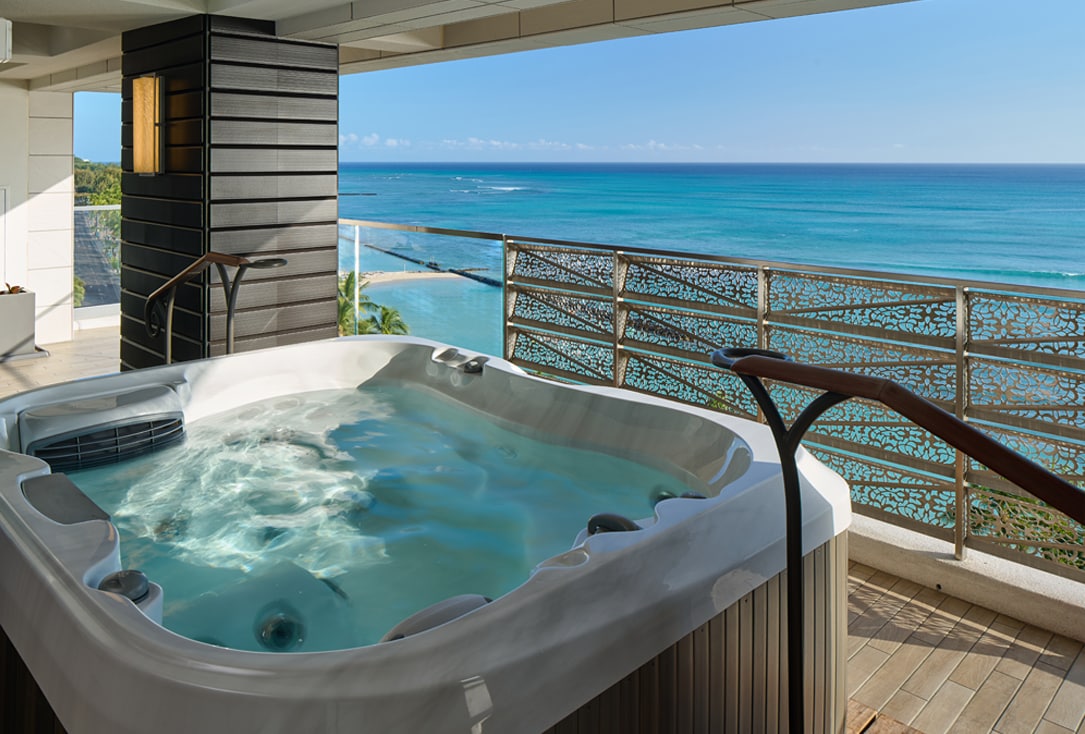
[(1030, 476), (202, 262), (209, 258)]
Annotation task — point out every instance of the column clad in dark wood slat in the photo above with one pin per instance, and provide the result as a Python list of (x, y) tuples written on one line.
[(251, 158)]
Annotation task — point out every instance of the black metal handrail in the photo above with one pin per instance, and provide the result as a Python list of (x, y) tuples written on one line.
[(753, 364), (153, 316)]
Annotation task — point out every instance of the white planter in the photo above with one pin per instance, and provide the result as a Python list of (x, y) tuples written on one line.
[(16, 325)]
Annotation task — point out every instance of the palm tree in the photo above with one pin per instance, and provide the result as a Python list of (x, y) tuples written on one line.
[(389, 322), (347, 322)]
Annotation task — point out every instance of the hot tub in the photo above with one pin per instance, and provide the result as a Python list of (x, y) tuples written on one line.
[(677, 622)]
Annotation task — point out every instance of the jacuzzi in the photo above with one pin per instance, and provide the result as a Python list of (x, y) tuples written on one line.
[(679, 622)]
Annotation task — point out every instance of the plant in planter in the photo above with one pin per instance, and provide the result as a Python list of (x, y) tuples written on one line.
[(16, 322)]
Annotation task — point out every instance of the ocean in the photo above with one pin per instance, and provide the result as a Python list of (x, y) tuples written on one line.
[(1022, 224)]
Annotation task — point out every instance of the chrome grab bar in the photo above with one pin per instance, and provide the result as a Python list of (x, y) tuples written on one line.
[(753, 364), (155, 314)]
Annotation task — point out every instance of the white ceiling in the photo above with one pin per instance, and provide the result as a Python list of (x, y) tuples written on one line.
[(75, 44)]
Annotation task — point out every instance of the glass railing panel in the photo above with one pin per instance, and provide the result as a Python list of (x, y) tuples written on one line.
[(97, 256), (437, 284)]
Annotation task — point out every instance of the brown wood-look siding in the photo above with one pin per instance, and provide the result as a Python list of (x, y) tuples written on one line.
[(730, 674), (251, 157)]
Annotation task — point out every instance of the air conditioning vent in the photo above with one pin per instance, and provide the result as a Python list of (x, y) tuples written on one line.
[(108, 444)]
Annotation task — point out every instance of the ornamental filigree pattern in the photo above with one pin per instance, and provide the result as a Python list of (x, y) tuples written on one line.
[(696, 333), (594, 361), (1024, 359), (869, 429), (1028, 324), (702, 385), (1063, 457), (571, 311), (893, 307), (927, 372), (562, 265), (692, 283), (1043, 394), (892, 489), (1026, 525)]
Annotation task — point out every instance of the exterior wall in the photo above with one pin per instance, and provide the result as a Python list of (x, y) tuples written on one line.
[(51, 227), (251, 159), (14, 116), (36, 173)]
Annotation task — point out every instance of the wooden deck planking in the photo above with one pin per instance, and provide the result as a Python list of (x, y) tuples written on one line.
[(1067, 709), (940, 664)]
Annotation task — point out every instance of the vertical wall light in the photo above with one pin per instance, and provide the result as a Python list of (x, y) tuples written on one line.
[(147, 124)]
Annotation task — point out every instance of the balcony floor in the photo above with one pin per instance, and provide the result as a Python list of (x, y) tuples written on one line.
[(915, 655), (91, 352), (939, 664)]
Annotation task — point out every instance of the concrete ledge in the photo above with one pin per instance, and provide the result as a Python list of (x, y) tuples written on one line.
[(97, 317), (1036, 597)]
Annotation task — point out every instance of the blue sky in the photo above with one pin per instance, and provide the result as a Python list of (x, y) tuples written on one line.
[(926, 81)]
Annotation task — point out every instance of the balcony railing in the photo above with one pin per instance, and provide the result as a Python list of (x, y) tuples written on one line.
[(1010, 360)]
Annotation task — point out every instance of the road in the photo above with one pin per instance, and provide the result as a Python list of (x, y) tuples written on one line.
[(91, 264)]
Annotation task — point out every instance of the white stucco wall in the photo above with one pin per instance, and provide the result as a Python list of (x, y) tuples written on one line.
[(36, 171), (14, 133)]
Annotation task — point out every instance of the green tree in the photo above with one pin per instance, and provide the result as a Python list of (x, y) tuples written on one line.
[(79, 291), (346, 307), (388, 321), (97, 184)]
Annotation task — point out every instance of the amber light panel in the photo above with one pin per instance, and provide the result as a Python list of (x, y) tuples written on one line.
[(146, 124)]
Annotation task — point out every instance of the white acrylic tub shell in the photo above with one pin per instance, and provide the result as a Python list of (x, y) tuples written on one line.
[(581, 622)]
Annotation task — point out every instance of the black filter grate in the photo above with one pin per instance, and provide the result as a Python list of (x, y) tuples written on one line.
[(108, 444)]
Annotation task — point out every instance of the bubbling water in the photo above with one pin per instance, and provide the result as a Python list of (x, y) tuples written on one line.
[(319, 521)]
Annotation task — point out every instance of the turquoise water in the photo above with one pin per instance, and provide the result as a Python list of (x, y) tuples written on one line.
[(373, 504), (1013, 224), (1018, 224)]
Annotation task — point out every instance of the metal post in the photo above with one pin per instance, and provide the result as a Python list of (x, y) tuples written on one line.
[(230, 291), (169, 324), (763, 274), (507, 264), (787, 443), (618, 314), (960, 512), (357, 273)]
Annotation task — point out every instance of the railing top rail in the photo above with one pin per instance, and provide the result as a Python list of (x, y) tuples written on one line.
[(1030, 476), (417, 228), (99, 208), (827, 270), (191, 271)]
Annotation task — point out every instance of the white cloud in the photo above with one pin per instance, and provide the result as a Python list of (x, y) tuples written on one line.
[(367, 141), (493, 144), (654, 146)]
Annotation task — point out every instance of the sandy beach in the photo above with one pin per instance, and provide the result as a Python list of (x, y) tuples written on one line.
[(390, 276)]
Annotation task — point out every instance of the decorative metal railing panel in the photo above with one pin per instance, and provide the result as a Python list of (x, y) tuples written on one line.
[(1009, 359)]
